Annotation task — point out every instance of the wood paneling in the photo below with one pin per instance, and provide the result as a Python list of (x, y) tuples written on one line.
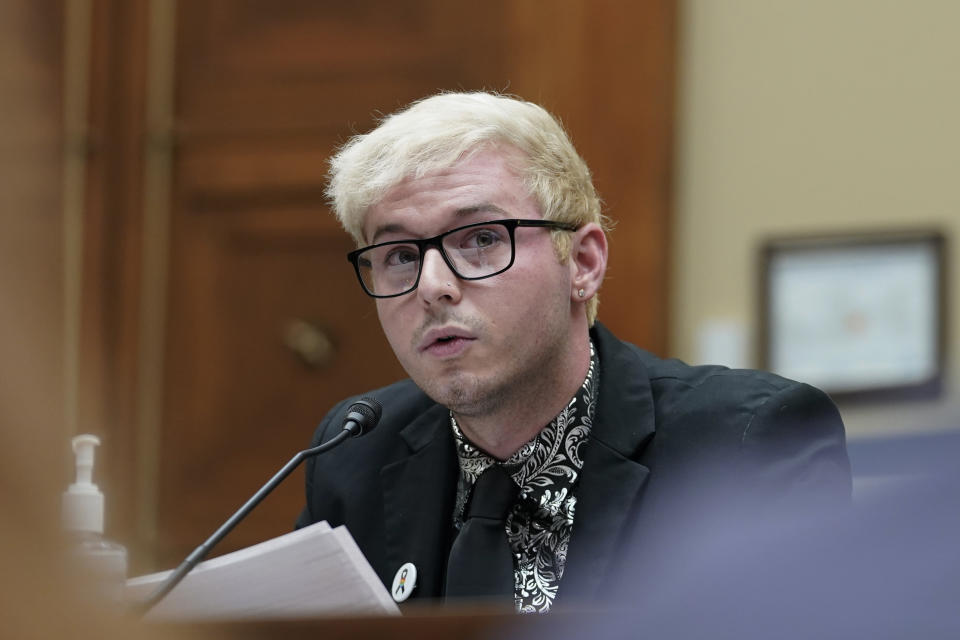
[(33, 425)]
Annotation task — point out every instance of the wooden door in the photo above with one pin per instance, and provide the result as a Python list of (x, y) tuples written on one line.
[(264, 326)]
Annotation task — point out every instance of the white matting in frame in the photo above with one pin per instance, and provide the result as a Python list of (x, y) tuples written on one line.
[(854, 315)]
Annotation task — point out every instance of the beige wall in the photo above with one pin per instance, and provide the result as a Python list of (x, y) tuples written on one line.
[(801, 116)]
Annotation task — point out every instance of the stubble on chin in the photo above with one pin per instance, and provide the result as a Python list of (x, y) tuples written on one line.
[(462, 393)]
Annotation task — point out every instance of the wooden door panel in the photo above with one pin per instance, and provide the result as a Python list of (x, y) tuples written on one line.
[(265, 178), (312, 65)]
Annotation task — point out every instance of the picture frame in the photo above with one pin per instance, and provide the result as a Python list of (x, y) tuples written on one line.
[(859, 315)]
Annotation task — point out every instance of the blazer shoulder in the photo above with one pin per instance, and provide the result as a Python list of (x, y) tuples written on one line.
[(745, 404), (670, 375), (677, 372), (709, 400), (712, 425), (717, 385)]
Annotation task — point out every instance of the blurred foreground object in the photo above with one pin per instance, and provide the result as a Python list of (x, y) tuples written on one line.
[(42, 593), (888, 569)]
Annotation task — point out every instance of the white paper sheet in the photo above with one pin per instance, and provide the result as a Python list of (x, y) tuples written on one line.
[(306, 573)]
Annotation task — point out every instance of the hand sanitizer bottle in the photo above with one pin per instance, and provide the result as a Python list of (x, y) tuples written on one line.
[(105, 562)]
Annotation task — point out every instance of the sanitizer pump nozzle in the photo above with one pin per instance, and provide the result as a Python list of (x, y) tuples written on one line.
[(83, 501)]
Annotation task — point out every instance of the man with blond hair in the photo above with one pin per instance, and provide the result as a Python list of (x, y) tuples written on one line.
[(531, 450)]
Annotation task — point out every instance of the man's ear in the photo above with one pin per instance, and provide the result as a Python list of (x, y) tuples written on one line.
[(588, 261)]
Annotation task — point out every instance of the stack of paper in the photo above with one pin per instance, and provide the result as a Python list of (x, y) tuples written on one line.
[(312, 571)]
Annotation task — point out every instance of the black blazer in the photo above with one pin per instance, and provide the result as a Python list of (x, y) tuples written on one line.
[(671, 447)]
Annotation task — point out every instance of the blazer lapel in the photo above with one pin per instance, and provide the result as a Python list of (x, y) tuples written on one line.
[(611, 481), (418, 493)]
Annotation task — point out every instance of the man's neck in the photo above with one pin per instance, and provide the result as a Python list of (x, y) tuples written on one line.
[(522, 415)]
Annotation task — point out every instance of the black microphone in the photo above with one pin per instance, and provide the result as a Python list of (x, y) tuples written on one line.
[(362, 416)]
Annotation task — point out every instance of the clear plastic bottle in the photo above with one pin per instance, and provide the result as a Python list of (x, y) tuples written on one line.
[(104, 561)]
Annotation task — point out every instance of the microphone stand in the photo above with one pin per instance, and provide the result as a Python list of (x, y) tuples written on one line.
[(201, 552)]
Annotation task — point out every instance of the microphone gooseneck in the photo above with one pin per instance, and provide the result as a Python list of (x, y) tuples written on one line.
[(362, 416)]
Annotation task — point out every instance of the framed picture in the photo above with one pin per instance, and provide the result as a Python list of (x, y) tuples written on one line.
[(857, 315)]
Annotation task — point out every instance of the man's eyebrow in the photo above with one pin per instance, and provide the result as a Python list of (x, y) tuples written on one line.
[(485, 207), (388, 228)]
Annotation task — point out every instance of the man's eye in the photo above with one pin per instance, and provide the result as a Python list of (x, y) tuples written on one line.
[(482, 239), (401, 256)]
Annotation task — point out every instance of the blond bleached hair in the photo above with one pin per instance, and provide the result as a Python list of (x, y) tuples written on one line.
[(435, 133)]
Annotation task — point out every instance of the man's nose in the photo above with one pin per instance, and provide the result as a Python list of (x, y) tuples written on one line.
[(437, 280)]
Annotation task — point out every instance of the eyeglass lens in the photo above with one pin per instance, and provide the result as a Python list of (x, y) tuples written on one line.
[(472, 252)]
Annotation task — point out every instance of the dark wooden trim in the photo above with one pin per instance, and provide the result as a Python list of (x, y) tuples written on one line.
[(112, 251)]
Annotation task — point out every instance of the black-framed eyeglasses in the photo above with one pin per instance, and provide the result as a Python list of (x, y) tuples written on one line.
[(473, 252)]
